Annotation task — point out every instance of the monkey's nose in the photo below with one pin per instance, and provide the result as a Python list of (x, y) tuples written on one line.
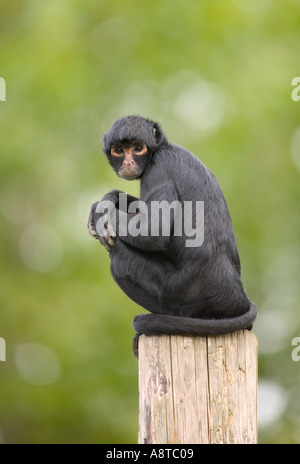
[(128, 163)]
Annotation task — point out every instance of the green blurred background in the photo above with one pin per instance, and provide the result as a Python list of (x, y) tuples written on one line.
[(217, 75)]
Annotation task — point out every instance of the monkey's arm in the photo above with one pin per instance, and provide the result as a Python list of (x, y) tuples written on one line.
[(101, 224), (150, 222)]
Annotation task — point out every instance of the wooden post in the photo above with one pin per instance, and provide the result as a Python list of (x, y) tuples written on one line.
[(198, 389)]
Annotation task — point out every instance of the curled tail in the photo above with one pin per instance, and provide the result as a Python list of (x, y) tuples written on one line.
[(159, 324)]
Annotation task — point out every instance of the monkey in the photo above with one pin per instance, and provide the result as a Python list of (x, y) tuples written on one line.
[(188, 290)]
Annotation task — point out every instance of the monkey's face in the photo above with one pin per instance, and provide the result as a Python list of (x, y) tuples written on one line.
[(130, 160)]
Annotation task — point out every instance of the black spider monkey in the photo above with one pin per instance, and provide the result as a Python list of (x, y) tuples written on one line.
[(190, 290)]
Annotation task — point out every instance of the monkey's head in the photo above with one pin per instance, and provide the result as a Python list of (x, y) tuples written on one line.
[(130, 143)]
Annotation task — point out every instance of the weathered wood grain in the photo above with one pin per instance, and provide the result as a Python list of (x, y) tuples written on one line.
[(198, 389)]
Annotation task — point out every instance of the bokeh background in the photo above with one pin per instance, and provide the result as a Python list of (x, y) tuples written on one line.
[(217, 75)]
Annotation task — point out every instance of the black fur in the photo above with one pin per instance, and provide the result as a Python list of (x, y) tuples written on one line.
[(196, 291)]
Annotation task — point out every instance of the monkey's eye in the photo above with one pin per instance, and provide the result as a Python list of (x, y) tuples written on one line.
[(117, 151), (139, 149)]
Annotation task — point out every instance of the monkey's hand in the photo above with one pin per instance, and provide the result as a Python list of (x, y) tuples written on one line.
[(100, 223)]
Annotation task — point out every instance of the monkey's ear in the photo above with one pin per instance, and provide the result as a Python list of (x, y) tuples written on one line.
[(157, 132)]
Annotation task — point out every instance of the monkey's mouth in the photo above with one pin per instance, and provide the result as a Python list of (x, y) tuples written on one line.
[(130, 174)]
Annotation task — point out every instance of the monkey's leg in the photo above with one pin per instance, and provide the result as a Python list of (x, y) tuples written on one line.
[(141, 275)]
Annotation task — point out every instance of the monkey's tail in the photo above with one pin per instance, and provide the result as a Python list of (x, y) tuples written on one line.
[(159, 324)]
